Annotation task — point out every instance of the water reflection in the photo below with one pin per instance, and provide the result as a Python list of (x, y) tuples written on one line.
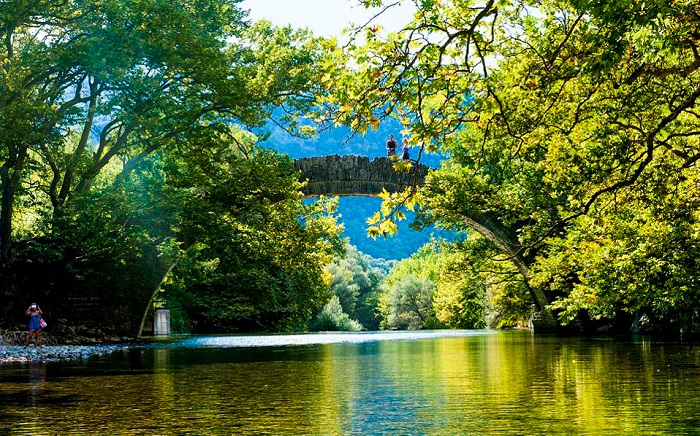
[(460, 383), (313, 338), (37, 379)]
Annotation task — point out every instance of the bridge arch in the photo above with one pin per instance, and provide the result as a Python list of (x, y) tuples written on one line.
[(355, 175), (351, 175)]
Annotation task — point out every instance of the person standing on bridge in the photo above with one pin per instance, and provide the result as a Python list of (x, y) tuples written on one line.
[(404, 154), (391, 146)]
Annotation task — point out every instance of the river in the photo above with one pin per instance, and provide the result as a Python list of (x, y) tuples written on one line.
[(431, 383)]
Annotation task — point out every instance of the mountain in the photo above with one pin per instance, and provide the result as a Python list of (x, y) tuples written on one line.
[(339, 140)]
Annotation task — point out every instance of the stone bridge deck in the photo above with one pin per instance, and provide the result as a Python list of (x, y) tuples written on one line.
[(355, 175)]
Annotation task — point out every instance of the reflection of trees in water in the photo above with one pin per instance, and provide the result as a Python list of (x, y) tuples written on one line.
[(475, 382)]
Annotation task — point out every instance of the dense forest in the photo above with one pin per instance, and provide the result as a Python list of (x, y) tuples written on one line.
[(145, 160), (128, 167)]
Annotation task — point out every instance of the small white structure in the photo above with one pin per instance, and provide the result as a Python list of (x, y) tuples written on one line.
[(161, 322)]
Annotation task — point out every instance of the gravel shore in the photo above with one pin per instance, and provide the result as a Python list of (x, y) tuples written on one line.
[(54, 353)]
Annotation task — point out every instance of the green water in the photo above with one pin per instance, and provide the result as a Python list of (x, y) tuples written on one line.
[(428, 383)]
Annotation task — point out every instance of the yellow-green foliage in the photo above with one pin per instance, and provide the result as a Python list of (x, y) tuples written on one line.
[(437, 282), (571, 132)]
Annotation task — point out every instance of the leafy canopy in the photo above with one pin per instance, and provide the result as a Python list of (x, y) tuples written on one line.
[(561, 119)]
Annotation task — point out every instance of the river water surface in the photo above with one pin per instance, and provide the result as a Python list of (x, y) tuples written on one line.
[(433, 383)]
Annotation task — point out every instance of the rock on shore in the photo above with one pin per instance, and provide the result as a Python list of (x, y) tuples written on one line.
[(53, 353), (50, 349)]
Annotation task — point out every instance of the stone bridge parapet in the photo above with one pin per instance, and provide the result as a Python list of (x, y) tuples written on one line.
[(355, 175)]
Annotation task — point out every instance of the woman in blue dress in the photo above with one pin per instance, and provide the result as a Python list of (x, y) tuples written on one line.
[(404, 154), (34, 313)]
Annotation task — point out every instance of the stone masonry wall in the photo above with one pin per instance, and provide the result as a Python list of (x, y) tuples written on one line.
[(355, 175)]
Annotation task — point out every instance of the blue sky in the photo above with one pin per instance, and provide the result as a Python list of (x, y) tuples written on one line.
[(324, 17)]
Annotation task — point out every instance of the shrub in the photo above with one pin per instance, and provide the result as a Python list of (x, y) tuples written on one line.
[(332, 318)]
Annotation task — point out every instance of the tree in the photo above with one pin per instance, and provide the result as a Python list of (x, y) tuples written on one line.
[(99, 72), (461, 288), (93, 92), (356, 281), (461, 282), (551, 113), (408, 304), (333, 318), (258, 252)]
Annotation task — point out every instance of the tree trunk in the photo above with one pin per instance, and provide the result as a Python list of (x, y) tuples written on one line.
[(505, 241), (69, 175), (9, 177), (6, 218), (157, 288)]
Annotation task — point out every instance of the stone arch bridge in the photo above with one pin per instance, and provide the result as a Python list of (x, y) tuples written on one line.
[(358, 176), (355, 175)]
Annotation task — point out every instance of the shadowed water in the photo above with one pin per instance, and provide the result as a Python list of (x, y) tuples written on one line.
[(465, 382)]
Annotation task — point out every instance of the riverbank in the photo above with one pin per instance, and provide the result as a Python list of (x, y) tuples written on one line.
[(50, 349), (54, 353)]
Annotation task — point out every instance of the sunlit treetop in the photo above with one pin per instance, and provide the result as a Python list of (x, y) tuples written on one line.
[(548, 111)]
